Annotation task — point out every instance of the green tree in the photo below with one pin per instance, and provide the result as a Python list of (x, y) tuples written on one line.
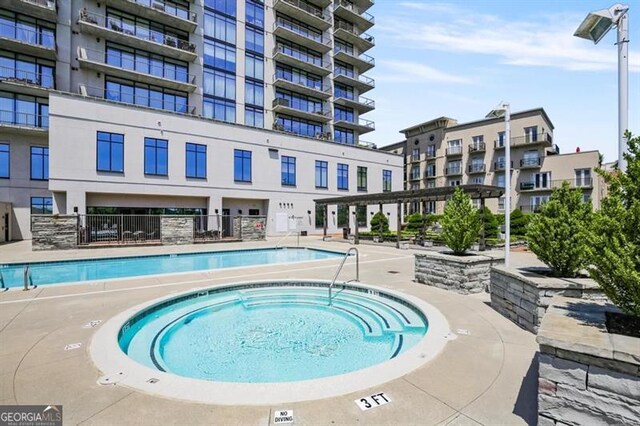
[(558, 234), (461, 223), (519, 222), (614, 240), (489, 222), (415, 222), (379, 223)]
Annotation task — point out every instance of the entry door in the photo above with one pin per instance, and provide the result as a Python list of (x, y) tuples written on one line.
[(227, 228)]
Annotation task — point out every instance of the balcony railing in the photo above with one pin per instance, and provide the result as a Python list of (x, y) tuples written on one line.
[(285, 103), (353, 30), (49, 4), (349, 51), (477, 168), (453, 170), (454, 150), (351, 7), (113, 24), (415, 158), (360, 99), (28, 35), (531, 162), (585, 182), (430, 154), (168, 8), (24, 119), (301, 56), (500, 165), (478, 147), (312, 10), (526, 140), (310, 84), (136, 100), (300, 30), (532, 208), (46, 81), (361, 78), (112, 58), (430, 174)]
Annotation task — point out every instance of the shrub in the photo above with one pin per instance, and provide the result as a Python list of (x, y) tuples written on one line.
[(379, 220), (519, 222), (460, 223), (415, 222), (557, 235), (489, 222), (614, 238)]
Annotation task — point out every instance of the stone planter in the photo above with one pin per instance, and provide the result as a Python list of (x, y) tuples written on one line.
[(462, 274), (523, 295), (587, 376)]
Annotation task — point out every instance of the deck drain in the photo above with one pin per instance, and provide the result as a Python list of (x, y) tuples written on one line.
[(111, 379), (72, 346), (153, 380), (393, 272)]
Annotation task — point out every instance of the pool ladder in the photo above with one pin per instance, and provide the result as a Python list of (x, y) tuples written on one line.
[(285, 237), (28, 281), (344, 259)]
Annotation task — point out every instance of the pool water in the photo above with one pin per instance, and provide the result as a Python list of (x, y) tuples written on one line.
[(272, 334), (47, 273)]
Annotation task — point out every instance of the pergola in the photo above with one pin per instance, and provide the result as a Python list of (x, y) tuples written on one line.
[(481, 192)]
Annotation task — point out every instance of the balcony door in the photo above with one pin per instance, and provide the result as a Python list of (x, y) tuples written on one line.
[(583, 177), (531, 134)]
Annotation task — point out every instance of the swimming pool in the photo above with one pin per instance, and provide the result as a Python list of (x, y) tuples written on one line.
[(47, 273), (265, 342)]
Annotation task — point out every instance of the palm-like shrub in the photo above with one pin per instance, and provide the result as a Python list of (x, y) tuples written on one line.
[(614, 240), (558, 234), (460, 222)]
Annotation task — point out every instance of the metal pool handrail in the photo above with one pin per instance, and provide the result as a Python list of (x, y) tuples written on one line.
[(288, 234), (344, 259)]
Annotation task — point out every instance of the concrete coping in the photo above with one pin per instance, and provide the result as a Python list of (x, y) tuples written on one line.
[(578, 326), (534, 277), (469, 258)]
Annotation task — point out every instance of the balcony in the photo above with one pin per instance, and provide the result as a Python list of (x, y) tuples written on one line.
[(288, 56), (99, 61), (360, 103), (360, 82), (583, 183), (527, 140), (110, 29), (282, 106), (362, 62), (23, 123), (350, 12), (530, 163), (351, 34), (303, 12), (430, 155), (26, 82), (310, 88), (453, 151), (531, 208), (500, 165), (361, 126), (300, 35), (28, 41), (453, 171), (430, 174), (477, 147), (414, 158), (476, 168), (136, 100), (43, 9), (158, 11)]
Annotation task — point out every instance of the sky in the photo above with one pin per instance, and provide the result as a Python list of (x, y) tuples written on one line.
[(462, 58)]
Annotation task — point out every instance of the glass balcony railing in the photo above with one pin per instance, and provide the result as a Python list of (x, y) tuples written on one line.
[(531, 162), (306, 7), (24, 119), (354, 30), (299, 80), (43, 37), (454, 150), (302, 56), (300, 30), (361, 78), (351, 52), (49, 4), (140, 98), (168, 8), (31, 78), (526, 139), (353, 8), (300, 106)]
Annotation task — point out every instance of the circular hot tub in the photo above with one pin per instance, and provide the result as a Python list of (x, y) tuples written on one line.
[(228, 344)]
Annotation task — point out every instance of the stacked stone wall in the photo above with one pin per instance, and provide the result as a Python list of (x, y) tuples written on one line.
[(176, 230), (54, 232), (461, 274)]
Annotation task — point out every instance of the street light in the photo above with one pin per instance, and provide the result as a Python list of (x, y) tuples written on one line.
[(504, 110), (594, 27)]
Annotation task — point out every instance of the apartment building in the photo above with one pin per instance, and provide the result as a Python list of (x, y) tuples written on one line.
[(443, 152), (284, 73)]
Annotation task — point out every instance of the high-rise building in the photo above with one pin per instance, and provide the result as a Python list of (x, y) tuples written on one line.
[(121, 104)]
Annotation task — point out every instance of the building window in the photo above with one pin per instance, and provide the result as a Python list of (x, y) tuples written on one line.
[(500, 180), (344, 136), (129, 92), (110, 152), (477, 180), (288, 171), (531, 134), (322, 171), (298, 126), (320, 216), (41, 205), (431, 184), (39, 163), (343, 215), (196, 161), (253, 117), (220, 27), (343, 176), (254, 93), (254, 67), (583, 177), (431, 151), (219, 84), (415, 154), (219, 56), (386, 181), (147, 63), (361, 216), (454, 182), (228, 7), (362, 178), (501, 203), (415, 172), (4, 161), (219, 109), (431, 207), (254, 40), (255, 13), (241, 165), (156, 157), (26, 68), (542, 180), (343, 114), (431, 170)]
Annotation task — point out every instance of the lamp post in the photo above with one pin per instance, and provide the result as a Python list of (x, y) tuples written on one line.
[(594, 27), (504, 109)]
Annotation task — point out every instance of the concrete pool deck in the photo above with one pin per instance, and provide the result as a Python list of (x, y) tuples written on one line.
[(487, 375)]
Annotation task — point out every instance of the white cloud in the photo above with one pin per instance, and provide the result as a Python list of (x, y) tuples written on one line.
[(545, 41), (413, 72)]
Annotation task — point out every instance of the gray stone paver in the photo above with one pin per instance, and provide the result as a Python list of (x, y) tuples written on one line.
[(480, 374)]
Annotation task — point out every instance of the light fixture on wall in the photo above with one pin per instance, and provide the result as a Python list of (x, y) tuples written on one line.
[(239, 211), (371, 213), (75, 209), (215, 210), (308, 211), (333, 212)]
